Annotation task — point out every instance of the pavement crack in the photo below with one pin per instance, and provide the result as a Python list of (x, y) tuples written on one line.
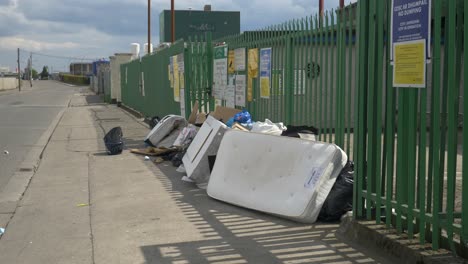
[(98, 120), (89, 209)]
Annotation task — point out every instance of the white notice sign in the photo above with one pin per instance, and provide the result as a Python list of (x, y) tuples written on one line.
[(240, 90)]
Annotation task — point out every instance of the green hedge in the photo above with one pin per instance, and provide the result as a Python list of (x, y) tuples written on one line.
[(74, 79)]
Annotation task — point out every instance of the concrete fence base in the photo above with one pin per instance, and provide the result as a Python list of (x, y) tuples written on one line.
[(8, 83)]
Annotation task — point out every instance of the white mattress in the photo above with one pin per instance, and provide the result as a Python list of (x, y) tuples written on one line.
[(288, 177), (205, 143), (166, 131)]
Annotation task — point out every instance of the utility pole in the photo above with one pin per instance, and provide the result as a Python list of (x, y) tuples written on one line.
[(321, 7), (172, 22), (19, 71), (30, 69), (149, 27)]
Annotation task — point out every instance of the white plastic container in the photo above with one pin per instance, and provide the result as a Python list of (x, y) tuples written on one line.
[(150, 48), (205, 143), (135, 50)]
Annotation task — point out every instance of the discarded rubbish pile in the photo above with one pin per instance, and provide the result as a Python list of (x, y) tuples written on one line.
[(265, 166)]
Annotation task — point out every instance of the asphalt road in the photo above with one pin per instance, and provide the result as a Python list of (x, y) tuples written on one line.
[(24, 117)]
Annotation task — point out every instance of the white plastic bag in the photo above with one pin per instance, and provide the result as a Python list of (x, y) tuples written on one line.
[(181, 169), (268, 127)]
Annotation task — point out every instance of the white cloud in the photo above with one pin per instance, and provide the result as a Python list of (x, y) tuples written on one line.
[(12, 43), (99, 28)]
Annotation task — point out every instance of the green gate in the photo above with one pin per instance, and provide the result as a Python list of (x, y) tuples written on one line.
[(199, 72)]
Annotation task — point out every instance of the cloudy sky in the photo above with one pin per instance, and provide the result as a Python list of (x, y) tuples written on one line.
[(100, 28)]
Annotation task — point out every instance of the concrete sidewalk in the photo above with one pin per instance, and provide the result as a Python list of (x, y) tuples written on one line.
[(83, 206)]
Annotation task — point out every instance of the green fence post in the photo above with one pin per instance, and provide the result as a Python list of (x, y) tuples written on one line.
[(422, 166), (326, 88), (304, 80), (378, 111), (371, 111), (389, 128), (411, 157), (434, 176), (289, 92), (209, 59), (464, 233), (452, 103), (349, 123), (187, 79), (361, 94), (323, 71), (334, 47), (318, 70)]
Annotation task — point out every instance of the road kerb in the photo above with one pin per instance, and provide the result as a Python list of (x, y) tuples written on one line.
[(18, 183)]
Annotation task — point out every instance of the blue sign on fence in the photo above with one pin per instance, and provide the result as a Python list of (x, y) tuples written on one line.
[(410, 21), (265, 72)]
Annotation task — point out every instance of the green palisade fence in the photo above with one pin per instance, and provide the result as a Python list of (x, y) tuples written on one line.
[(159, 96), (145, 83), (199, 77), (333, 72), (313, 73), (410, 169)]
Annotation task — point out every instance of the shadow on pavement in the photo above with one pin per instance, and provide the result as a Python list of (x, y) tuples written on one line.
[(94, 99), (238, 235), (231, 234), (131, 143)]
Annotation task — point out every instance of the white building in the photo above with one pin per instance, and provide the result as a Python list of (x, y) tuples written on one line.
[(4, 69)]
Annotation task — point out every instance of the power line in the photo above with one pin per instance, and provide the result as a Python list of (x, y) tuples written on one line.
[(61, 57)]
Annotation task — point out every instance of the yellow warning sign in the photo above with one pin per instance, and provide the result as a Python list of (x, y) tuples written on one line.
[(231, 65), (252, 72), (264, 87), (409, 68)]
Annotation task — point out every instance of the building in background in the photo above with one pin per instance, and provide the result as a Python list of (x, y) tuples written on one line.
[(190, 23), (81, 68), (114, 94), (5, 69), (100, 76)]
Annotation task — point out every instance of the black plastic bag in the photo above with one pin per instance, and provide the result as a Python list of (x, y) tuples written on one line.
[(177, 158), (113, 141), (154, 121), (340, 199), (293, 131), (168, 156)]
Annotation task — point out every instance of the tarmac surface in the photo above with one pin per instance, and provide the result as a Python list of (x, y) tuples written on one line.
[(24, 117)]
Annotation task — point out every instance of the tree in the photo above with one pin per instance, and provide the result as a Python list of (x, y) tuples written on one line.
[(45, 73), (34, 74)]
